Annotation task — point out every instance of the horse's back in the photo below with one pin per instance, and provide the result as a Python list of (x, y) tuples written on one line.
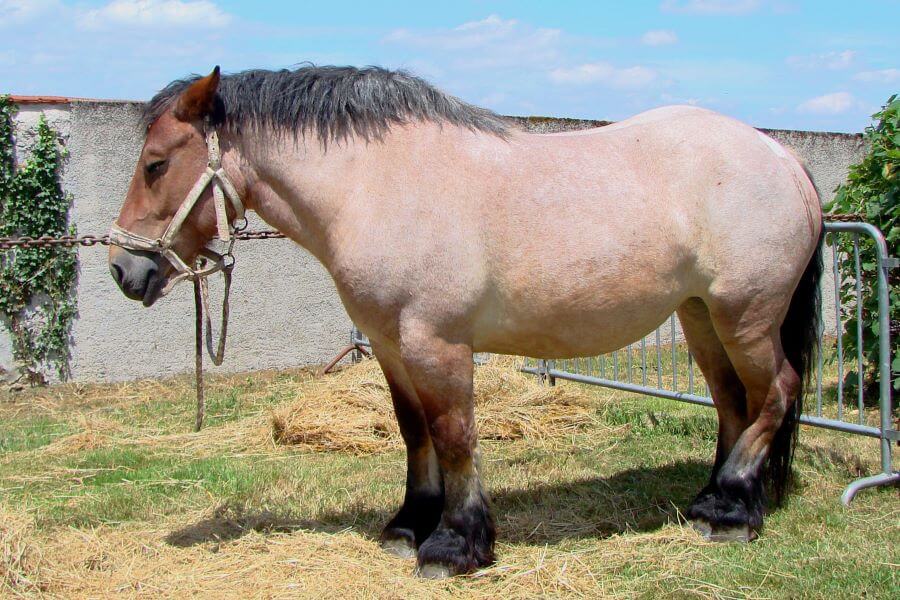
[(634, 218), (684, 176)]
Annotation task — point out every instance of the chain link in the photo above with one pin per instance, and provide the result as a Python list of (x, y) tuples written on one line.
[(844, 217), (68, 241), (262, 234), (46, 241)]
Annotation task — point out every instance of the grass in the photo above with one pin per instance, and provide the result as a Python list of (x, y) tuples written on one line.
[(105, 491)]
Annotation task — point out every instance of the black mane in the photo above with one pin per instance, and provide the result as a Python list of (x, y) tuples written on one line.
[(335, 102)]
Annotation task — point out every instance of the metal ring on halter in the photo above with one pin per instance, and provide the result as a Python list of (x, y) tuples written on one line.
[(239, 224)]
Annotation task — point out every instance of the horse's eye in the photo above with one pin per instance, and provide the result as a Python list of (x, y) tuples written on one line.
[(155, 167)]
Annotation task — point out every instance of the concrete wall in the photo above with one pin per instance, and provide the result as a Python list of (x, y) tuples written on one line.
[(285, 311)]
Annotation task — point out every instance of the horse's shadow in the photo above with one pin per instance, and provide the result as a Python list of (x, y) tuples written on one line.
[(635, 500)]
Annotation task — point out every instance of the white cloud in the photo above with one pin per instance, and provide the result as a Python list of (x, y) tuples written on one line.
[(692, 101), (200, 14), (16, 12), (880, 76), (515, 67), (605, 74), (475, 34), (493, 99), (830, 104), (659, 37), (832, 61), (711, 7), (490, 42)]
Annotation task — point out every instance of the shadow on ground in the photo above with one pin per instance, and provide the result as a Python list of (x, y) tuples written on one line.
[(633, 500)]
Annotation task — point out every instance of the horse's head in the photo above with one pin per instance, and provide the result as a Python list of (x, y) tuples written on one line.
[(169, 214)]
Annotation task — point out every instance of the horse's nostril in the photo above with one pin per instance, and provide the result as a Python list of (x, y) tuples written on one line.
[(117, 273), (132, 272)]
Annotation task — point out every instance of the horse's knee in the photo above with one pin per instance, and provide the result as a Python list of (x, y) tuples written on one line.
[(464, 539), (423, 500), (454, 438)]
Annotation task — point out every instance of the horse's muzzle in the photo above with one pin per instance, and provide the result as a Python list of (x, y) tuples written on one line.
[(137, 274)]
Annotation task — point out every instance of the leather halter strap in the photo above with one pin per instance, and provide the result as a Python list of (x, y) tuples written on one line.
[(222, 189)]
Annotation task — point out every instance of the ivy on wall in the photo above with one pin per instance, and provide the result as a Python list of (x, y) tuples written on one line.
[(37, 300), (873, 190)]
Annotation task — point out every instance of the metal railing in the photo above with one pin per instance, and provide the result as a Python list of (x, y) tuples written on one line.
[(651, 366)]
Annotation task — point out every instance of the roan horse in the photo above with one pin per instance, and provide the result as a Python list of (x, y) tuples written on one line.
[(448, 231)]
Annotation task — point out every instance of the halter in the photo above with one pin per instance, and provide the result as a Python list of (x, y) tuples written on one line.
[(222, 187), (207, 263)]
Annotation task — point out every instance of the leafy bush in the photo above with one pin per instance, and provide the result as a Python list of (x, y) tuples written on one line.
[(872, 190)]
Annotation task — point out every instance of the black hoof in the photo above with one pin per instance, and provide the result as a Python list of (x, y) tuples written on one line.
[(399, 542), (447, 553), (728, 512), (412, 524), (724, 533)]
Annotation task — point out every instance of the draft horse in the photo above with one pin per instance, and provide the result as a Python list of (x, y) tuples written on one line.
[(449, 231)]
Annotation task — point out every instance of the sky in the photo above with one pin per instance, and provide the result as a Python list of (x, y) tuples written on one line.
[(796, 64)]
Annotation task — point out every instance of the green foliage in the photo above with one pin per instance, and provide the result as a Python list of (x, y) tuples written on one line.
[(37, 301), (873, 191)]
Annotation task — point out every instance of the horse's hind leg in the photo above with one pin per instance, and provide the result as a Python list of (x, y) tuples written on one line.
[(424, 498), (724, 386), (750, 335)]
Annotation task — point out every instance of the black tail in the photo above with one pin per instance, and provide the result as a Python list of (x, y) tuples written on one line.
[(799, 336)]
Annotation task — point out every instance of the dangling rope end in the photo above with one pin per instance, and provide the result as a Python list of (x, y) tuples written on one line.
[(198, 354)]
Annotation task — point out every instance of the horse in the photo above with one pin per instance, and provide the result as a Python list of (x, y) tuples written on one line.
[(448, 230)]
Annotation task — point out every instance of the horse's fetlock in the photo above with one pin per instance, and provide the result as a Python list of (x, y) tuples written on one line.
[(448, 549), (742, 486), (463, 542), (730, 500)]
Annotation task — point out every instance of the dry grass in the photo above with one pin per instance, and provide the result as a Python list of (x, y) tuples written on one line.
[(350, 411), (20, 557), (94, 432), (284, 492), (272, 559)]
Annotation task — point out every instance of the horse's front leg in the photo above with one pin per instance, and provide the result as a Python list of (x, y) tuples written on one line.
[(441, 373), (424, 497)]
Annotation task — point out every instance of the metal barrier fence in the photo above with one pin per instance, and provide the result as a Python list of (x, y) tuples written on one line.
[(651, 365)]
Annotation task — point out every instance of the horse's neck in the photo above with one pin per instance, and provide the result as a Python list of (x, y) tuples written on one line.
[(298, 187), (312, 193)]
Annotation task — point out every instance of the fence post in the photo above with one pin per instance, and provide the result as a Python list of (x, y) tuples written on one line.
[(544, 367)]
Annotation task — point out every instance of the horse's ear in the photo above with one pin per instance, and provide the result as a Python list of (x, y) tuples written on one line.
[(199, 99)]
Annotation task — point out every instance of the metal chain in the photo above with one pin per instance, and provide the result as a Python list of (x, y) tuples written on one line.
[(262, 234), (844, 217), (45, 241), (68, 241)]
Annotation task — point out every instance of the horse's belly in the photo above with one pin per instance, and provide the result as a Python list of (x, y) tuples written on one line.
[(550, 328)]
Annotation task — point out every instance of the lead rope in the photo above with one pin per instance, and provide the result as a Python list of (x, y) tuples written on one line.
[(198, 355), (217, 355), (201, 316)]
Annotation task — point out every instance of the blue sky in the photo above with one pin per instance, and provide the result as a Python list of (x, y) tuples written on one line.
[(824, 65)]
